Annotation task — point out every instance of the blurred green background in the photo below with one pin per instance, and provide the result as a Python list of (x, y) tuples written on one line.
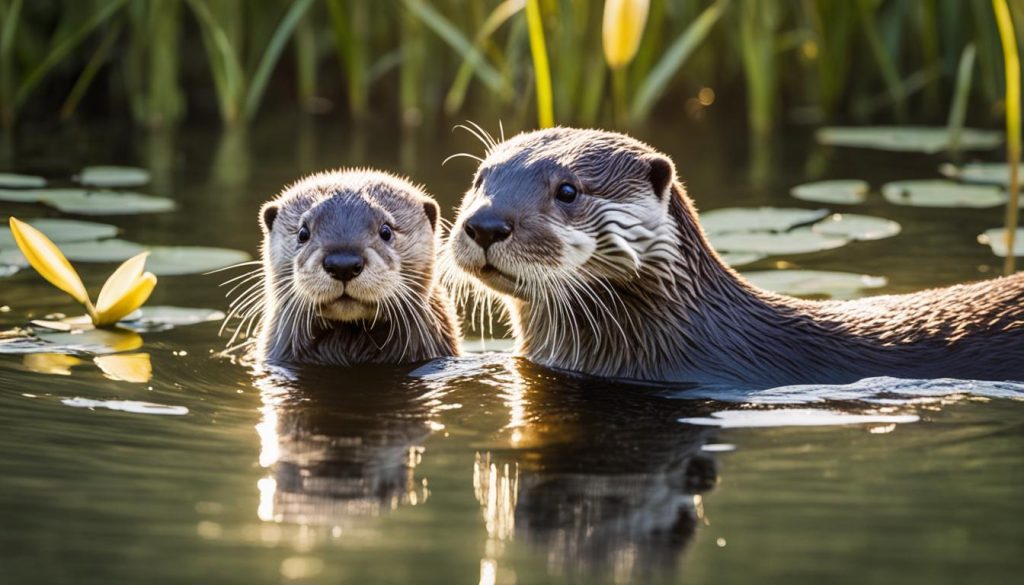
[(418, 62)]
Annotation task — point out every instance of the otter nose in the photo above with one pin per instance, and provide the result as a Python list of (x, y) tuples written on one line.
[(343, 266), (488, 228)]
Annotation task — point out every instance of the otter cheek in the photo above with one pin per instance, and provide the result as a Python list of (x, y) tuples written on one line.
[(577, 247)]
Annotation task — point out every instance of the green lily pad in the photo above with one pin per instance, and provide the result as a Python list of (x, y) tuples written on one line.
[(907, 138), (90, 202), (8, 269), (759, 219), (841, 192), (162, 260), (798, 241), (857, 227), (735, 259), (111, 176), (16, 181), (63, 230), (108, 203), (995, 238), (162, 318), (85, 341), (941, 193), (840, 285), (986, 173)]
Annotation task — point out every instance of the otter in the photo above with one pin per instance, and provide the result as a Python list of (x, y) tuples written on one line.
[(348, 274), (594, 247)]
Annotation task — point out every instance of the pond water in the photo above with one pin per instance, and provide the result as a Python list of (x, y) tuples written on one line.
[(486, 469)]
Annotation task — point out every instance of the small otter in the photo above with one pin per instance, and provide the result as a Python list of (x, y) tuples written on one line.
[(348, 264), (596, 250)]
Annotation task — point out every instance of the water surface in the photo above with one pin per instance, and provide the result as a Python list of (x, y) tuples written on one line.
[(487, 469)]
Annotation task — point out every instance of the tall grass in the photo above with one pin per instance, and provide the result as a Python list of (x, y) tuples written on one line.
[(845, 60), (1011, 59)]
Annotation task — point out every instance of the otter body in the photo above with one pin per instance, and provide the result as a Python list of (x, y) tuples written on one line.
[(348, 264), (596, 250)]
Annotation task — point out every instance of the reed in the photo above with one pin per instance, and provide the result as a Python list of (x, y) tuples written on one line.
[(417, 59), (1011, 60)]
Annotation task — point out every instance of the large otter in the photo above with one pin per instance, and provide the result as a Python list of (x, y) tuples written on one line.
[(596, 250), (348, 266)]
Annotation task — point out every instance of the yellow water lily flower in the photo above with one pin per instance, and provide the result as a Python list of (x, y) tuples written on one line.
[(623, 29), (125, 291)]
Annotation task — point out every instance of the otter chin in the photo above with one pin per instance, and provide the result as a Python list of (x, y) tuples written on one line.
[(348, 274), (595, 248)]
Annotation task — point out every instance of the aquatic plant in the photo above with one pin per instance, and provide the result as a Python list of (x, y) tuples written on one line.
[(126, 290), (1011, 59)]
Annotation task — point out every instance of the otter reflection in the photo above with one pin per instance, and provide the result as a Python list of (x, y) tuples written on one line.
[(334, 456), (601, 478)]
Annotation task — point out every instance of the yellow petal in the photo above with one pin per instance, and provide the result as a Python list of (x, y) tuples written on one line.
[(623, 29), (48, 260), (132, 299), (120, 282), (127, 367)]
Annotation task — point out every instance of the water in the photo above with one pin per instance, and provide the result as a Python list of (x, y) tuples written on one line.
[(487, 469)]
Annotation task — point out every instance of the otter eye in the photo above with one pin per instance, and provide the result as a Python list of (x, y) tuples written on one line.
[(386, 232), (303, 234), (566, 193)]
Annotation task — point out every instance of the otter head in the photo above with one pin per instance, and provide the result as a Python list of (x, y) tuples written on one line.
[(565, 204), (346, 244)]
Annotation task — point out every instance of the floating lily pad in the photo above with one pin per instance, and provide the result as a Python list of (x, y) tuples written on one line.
[(108, 203), (940, 193), (16, 181), (735, 259), (840, 285), (63, 230), (995, 238), (799, 417), (8, 269), (907, 138), (857, 227), (798, 241), (110, 176), (161, 318), (842, 192), (132, 406), (986, 173), (760, 219), (90, 202), (86, 341), (162, 260)]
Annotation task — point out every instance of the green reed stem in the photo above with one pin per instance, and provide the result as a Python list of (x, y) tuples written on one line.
[(961, 95), (1011, 63), (541, 69), (90, 71)]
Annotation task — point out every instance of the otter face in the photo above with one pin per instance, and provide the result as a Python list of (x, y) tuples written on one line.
[(348, 244), (564, 205)]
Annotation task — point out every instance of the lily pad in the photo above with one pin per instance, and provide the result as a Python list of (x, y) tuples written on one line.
[(995, 238), (941, 193), (857, 227), (84, 341), (16, 181), (162, 260), (761, 219), (735, 259), (986, 173), (21, 195), (907, 138), (63, 230), (107, 203), (841, 192), (111, 176), (161, 318), (840, 285), (132, 406), (798, 241)]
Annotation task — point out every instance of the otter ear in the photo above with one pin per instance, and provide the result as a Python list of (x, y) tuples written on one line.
[(433, 211), (662, 172), (269, 214)]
